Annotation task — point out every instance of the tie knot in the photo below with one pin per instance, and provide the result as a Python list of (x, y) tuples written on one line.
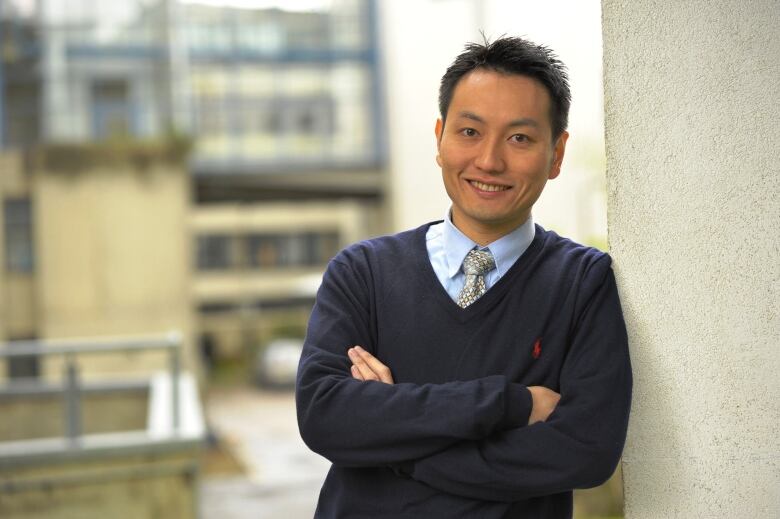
[(478, 262)]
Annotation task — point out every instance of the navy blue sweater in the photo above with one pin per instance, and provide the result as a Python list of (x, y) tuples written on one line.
[(450, 438)]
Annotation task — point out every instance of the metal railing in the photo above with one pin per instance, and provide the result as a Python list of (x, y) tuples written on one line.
[(72, 388)]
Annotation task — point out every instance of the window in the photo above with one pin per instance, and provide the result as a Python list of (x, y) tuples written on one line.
[(19, 250), (310, 249), (322, 247), (211, 116), (22, 101), (111, 112), (314, 117), (266, 250), (23, 366), (214, 252)]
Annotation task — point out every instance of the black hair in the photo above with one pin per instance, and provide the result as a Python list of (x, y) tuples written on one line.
[(511, 55)]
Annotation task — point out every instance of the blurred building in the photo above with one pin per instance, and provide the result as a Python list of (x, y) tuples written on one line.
[(288, 161), (283, 110), (163, 165)]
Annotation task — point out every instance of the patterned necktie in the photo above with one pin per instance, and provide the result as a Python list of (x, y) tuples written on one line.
[(475, 266)]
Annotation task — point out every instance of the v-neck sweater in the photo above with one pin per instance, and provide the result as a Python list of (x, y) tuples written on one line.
[(450, 437), (428, 276)]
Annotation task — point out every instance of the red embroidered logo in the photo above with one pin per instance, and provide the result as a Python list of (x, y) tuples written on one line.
[(537, 348)]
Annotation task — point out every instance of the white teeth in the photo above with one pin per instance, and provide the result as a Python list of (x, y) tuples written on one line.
[(487, 187)]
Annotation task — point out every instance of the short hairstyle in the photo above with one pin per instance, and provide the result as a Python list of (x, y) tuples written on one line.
[(511, 55)]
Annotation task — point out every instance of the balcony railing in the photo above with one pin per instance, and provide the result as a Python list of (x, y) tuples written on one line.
[(173, 410)]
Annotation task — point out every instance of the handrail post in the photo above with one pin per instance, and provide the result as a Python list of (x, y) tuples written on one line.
[(72, 401), (175, 366)]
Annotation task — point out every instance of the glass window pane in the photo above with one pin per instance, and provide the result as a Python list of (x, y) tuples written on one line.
[(214, 252), (18, 235)]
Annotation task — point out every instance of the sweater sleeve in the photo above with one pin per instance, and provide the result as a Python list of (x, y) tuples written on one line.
[(579, 445), (354, 423)]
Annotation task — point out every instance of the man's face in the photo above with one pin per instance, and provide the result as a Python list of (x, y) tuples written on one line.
[(496, 151)]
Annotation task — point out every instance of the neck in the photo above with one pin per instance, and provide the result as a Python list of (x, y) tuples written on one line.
[(483, 234)]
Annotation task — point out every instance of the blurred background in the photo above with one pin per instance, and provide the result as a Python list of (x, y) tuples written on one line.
[(174, 177)]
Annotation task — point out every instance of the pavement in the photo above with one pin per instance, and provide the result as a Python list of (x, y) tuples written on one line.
[(282, 477)]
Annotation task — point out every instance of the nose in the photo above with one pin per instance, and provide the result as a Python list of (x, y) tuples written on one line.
[(490, 156)]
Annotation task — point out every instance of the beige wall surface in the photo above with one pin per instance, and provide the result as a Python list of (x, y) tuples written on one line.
[(43, 415), (113, 253), (352, 219), (19, 314), (692, 102)]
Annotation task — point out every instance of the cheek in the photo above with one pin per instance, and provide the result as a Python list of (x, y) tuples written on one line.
[(450, 179), (451, 157), (449, 169), (533, 190)]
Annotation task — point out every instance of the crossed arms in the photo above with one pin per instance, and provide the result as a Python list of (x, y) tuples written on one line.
[(489, 438), (367, 367)]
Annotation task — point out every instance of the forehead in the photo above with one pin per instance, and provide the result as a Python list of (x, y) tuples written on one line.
[(497, 96)]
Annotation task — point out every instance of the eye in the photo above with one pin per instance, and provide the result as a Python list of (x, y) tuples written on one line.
[(520, 138), (469, 132)]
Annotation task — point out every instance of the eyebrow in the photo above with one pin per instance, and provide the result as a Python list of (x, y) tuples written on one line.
[(526, 121)]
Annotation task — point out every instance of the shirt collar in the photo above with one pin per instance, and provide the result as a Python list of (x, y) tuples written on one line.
[(505, 250)]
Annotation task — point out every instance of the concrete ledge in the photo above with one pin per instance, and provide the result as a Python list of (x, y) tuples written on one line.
[(160, 422), (94, 446), (128, 486), (146, 473)]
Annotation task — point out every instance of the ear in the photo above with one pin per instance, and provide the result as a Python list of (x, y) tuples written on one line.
[(558, 152), (438, 130)]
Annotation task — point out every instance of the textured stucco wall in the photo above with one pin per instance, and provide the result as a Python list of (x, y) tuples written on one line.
[(692, 106)]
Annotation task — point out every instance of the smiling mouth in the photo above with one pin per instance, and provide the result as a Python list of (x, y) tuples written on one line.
[(487, 187)]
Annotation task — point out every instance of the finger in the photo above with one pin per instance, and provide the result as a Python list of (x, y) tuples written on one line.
[(363, 368), (376, 366), (356, 373)]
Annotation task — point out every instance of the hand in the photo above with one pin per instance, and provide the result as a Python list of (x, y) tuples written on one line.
[(367, 367), (544, 403)]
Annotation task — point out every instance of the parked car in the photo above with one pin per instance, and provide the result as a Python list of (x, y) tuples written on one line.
[(277, 363)]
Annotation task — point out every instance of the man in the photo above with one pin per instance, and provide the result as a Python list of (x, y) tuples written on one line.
[(475, 367)]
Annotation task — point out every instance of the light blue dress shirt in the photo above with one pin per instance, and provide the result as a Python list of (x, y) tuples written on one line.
[(447, 248)]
